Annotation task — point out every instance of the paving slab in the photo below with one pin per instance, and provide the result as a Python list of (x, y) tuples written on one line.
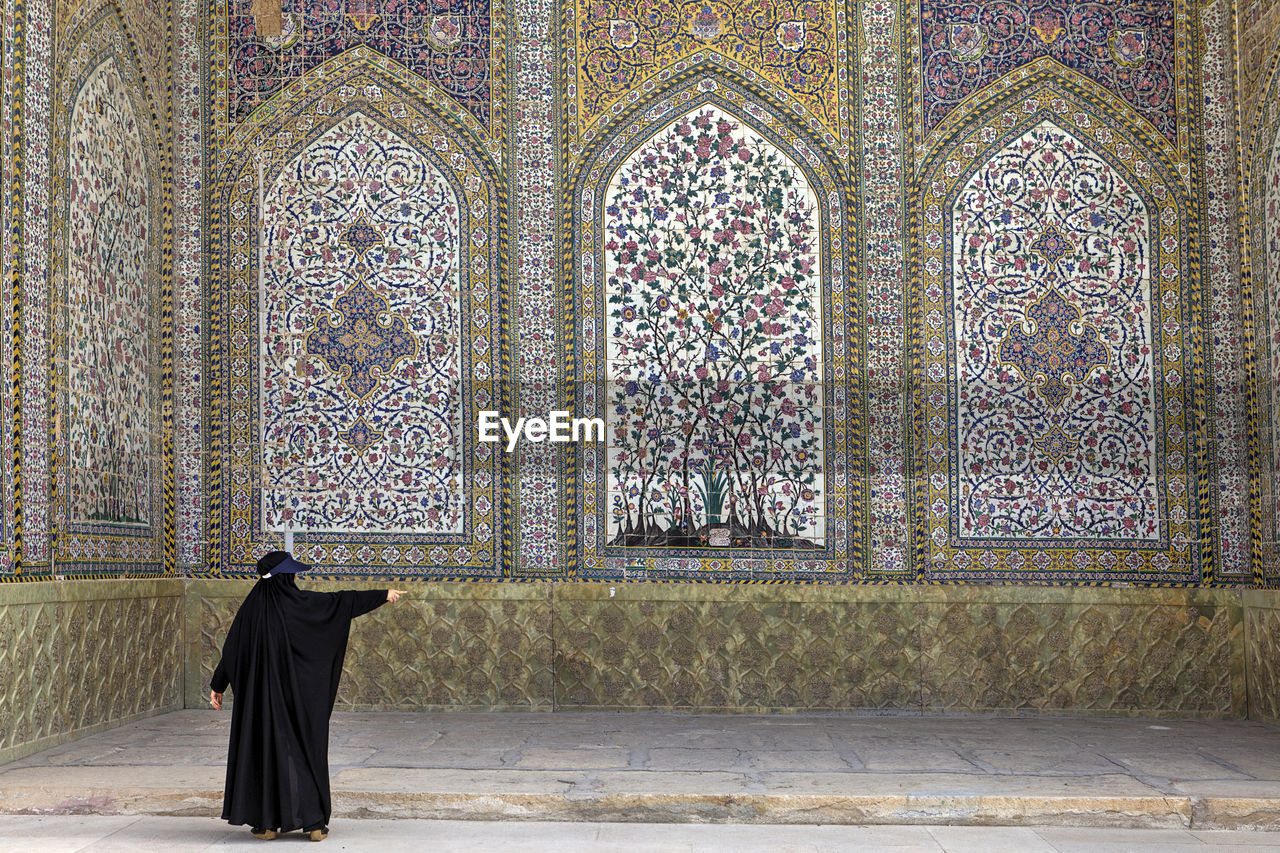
[(97, 834), (660, 767)]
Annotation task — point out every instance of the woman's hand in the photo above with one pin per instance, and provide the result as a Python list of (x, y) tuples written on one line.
[(215, 699), (393, 595)]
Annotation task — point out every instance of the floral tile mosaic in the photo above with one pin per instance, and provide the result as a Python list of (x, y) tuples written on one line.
[(361, 333), (107, 269), (713, 343), (1115, 374), (1060, 351)]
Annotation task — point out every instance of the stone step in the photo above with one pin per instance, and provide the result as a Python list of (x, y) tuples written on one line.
[(667, 797)]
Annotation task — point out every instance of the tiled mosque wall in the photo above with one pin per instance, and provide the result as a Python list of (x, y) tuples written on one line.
[(893, 291), (899, 292)]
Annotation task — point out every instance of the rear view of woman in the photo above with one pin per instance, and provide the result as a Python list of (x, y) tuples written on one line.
[(282, 660)]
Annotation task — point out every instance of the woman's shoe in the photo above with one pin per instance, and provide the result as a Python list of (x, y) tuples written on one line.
[(318, 834), (264, 834)]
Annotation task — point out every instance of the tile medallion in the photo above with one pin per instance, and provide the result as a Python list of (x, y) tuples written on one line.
[(362, 361), (360, 332), (1056, 329)]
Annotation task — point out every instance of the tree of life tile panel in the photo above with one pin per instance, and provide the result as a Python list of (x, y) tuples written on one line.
[(714, 298)]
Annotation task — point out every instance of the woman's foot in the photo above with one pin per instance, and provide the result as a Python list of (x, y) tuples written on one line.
[(264, 834), (319, 832)]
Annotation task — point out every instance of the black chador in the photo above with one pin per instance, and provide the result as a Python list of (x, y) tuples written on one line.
[(282, 659)]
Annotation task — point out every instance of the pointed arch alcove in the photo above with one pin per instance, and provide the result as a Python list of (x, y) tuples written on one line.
[(716, 309), (359, 331), (1059, 414), (109, 460)]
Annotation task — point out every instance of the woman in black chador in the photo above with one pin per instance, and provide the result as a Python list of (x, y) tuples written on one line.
[(282, 659)]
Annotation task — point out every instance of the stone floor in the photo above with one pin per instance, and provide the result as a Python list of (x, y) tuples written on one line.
[(65, 834), (676, 768)]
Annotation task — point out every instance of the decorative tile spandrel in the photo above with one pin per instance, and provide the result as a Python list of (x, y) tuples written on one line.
[(620, 48)]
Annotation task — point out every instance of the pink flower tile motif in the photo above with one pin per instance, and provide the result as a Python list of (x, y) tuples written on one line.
[(112, 264), (791, 35)]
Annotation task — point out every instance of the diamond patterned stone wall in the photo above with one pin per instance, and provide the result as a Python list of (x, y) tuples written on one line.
[(1262, 652), (76, 657), (1106, 651), (736, 648), (456, 646), (582, 646)]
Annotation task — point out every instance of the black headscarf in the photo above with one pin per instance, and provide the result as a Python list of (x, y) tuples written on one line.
[(283, 660)]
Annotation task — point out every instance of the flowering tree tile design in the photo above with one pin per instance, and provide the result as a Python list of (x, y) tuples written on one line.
[(111, 377), (1054, 374), (361, 355), (1271, 252), (714, 349)]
